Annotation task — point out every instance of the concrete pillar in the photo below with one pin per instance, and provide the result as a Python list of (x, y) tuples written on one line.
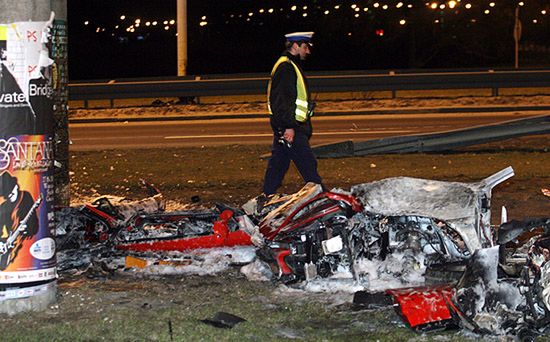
[(182, 36), (27, 276), (34, 10)]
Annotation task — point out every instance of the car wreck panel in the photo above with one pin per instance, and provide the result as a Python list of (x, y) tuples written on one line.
[(460, 205)]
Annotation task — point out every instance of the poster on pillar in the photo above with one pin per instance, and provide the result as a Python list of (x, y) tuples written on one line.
[(27, 247)]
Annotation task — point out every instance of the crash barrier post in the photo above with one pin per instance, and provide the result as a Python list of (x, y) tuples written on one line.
[(439, 141), (32, 72)]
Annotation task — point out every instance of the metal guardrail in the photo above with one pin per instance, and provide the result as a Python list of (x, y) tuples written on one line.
[(441, 141), (319, 82)]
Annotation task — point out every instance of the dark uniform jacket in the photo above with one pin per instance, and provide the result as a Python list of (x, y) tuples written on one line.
[(282, 98)]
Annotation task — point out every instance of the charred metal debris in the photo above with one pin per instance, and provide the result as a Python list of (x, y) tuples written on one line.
[(449, 266)]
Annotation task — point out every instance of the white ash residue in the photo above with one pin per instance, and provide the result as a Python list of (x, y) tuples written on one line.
[(257, 271), (197, 262)]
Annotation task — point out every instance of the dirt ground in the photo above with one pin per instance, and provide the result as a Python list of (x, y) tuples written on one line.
[(99, 305), (234, 174)]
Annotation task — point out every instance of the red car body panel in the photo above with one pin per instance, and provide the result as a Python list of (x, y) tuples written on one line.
[(238, 238), (421, 306)]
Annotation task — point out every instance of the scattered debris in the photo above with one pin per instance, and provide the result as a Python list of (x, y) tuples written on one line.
[(132, 261), (170, 331), (181, 232), (198, 261), (223, 320), (429, 223), (426, 246)]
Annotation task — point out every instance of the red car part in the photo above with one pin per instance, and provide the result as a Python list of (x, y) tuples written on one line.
[(221, 237), (283, 266), (110, 222), (290, 223), (425, 307)]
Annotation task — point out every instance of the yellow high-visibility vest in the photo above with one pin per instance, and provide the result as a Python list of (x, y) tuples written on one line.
[(301, 113)]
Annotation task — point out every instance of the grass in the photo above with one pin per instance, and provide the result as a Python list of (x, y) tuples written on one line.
[(115, 310)]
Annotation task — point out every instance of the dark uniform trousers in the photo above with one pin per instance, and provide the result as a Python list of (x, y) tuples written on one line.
[(300, 153)]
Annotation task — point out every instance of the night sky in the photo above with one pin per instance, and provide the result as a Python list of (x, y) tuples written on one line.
[(245, 36)]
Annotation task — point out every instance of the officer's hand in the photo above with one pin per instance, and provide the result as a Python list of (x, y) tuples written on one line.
[(289, 135)]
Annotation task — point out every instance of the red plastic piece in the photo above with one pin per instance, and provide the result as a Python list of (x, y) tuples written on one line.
[(220, 230), (421, 306), (226, 215), (282, 263), (356, 206)]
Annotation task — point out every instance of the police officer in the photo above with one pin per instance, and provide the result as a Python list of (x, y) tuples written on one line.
[(290, 112)]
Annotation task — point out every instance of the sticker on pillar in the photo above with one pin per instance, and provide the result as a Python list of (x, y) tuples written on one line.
[(43, 249), (26, 95), (27, 249), (3, 37), (26, 197), (18, 213)]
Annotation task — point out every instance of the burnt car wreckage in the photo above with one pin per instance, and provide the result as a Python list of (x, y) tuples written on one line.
[(489, 279)]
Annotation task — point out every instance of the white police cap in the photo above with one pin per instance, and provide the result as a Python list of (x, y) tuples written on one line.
[(299, 36)]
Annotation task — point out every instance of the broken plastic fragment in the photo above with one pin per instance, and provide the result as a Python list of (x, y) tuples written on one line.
[(223, 320), (332, 245)]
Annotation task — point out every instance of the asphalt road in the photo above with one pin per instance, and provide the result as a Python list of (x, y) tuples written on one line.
[(163, 134)]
